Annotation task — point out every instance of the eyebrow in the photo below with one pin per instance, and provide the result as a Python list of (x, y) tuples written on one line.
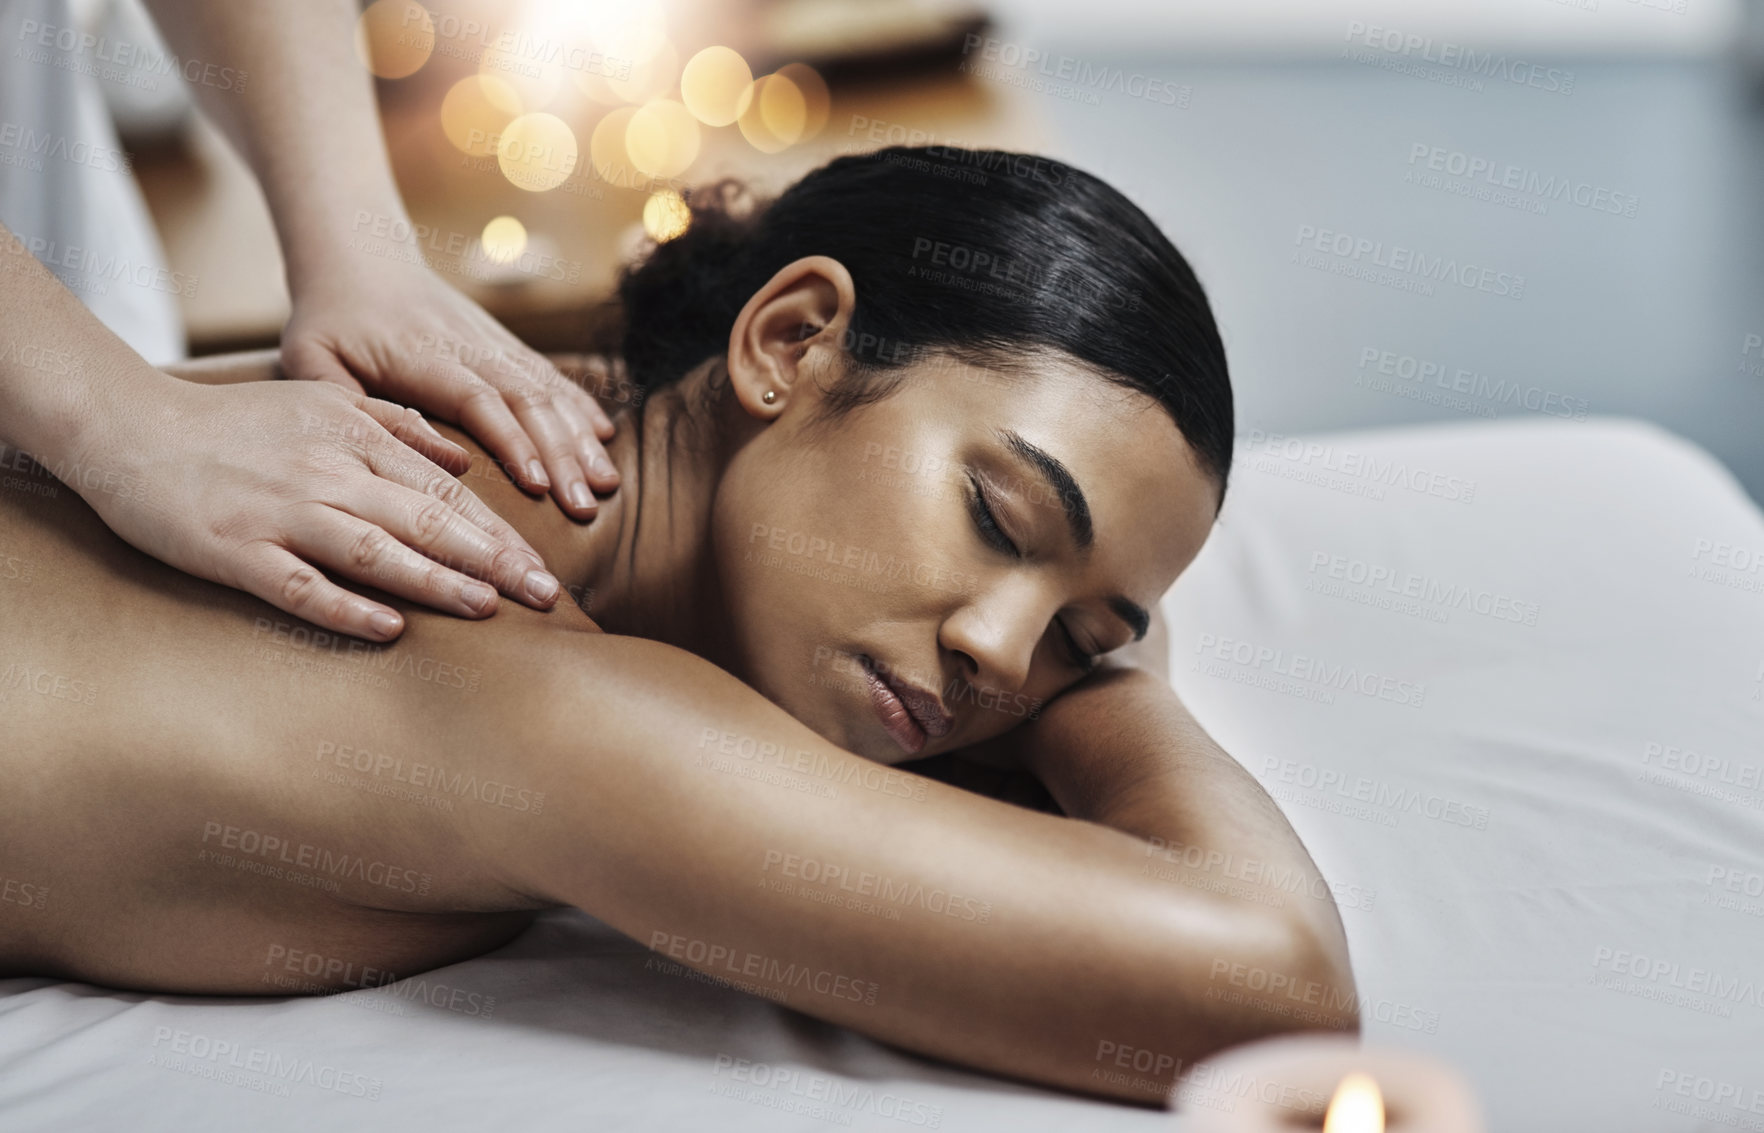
[(1077, 512)]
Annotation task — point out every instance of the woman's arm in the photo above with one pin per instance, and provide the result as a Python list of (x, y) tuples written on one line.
[(1119, 748), (703, 821)]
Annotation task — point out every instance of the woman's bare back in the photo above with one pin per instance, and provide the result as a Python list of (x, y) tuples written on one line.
[(198, 785)]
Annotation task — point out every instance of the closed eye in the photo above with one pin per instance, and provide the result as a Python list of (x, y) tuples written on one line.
[(1075, 656), (987, 524)]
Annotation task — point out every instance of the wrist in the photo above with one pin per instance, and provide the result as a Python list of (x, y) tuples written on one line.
[(1087, 745), (331, 245), (131, 394)]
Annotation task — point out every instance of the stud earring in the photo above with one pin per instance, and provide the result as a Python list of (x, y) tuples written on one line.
[(769, 396)]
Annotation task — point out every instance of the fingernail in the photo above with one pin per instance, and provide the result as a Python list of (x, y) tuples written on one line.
[(580, 499), (536, 472), (477, 595), (382, 623), (604, 467), (540, 586)]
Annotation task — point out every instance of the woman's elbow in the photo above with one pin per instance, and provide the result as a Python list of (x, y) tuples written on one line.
[(1283, 974)]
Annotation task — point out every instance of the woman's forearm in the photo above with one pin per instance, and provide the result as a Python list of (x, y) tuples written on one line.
[(1120, 749), (703, 821)]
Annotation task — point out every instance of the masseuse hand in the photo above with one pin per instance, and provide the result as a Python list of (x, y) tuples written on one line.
[(256, 485), (397, 331)]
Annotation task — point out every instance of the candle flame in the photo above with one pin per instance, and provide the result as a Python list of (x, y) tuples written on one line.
[(1357, 1106)]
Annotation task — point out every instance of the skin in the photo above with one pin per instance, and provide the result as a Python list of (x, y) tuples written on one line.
[(265, 489), (305, 120), (653, 819), (251, 486)]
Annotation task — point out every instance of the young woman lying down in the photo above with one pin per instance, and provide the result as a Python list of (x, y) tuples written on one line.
[(915, 460)]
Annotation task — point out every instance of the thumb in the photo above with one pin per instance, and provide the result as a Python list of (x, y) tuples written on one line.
[(310, 362)]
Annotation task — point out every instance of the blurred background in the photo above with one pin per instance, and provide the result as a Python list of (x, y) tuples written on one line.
[(1403, 210)]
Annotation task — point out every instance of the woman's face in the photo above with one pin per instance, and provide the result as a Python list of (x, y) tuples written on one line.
[(967, 542)]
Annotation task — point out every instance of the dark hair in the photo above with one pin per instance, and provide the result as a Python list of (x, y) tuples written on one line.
[(978, 254)]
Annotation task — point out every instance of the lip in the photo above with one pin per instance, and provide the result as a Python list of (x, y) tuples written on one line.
[(910, 714)]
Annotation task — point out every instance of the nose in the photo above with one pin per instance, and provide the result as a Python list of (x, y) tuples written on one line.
[(996, 635)]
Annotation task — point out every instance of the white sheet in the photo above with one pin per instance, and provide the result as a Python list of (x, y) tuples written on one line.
[(1507, 853)]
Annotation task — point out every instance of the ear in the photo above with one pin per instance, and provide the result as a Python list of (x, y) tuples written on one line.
[(807, 304)]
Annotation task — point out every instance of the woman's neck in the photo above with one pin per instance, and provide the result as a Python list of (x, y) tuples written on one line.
[(643, 566)]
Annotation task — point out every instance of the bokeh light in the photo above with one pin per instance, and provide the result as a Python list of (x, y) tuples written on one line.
[(628, 33), (775, 115), (665, 216), (715, 85), (475, 112), (817, 100), (606, 148), (537, 152), (394, 38), (649, 80), (662, 138), (504, 239), (535, 79)]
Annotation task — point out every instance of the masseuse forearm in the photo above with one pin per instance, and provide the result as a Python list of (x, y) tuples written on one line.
[(304, 116), (60, 367)]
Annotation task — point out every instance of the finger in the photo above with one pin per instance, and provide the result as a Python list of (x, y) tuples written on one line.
[(590, 406), (526, 382), (309, 362), (291, 584), (537, 412), (556, 413), (408, 426), (479, 408), (426, 524), (367, 551), (588, 448), (443, 518)]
